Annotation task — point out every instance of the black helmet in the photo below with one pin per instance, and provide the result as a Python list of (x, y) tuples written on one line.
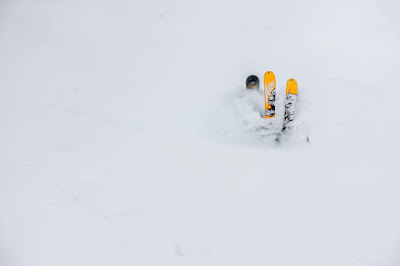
[(252, 82)]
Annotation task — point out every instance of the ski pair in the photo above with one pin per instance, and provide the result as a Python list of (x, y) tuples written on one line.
[(290, 101)]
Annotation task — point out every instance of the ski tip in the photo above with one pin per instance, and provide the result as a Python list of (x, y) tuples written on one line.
[(269, 81), (291, 86), (269, 75)]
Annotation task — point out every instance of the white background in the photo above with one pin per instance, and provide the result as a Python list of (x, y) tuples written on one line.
[(127, 138)]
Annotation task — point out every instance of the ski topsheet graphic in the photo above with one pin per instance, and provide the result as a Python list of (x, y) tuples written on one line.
[(269, 94), (290, 105)]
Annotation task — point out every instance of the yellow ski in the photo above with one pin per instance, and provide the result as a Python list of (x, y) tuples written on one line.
[(269, 94), (290, 104)]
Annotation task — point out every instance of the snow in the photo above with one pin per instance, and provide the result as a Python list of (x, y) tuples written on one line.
[(127, 138)]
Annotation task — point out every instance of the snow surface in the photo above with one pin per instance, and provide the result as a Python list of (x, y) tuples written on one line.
[(127, 138)]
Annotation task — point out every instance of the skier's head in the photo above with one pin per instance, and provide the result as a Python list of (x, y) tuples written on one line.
[(252, 82)]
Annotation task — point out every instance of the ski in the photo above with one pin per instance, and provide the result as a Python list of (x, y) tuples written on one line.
[(269, 94), (290, 105)]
